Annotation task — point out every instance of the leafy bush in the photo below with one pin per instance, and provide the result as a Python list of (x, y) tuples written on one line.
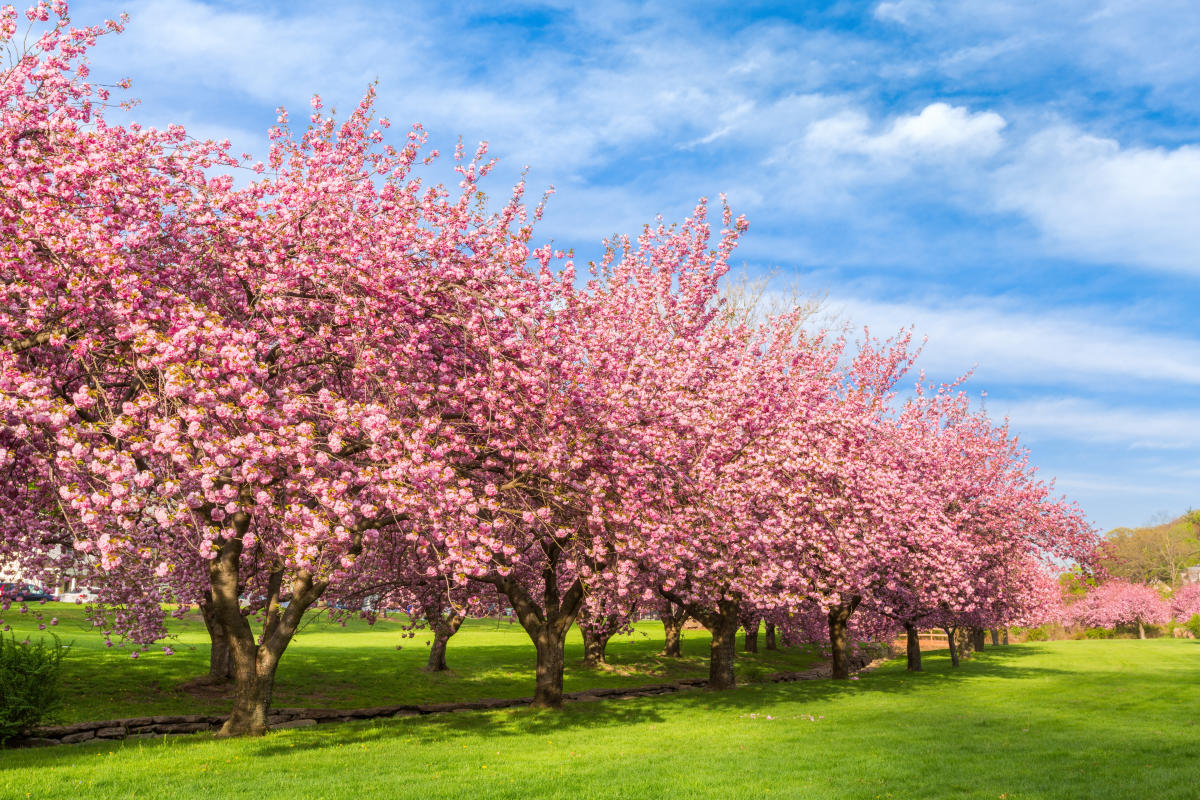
[(1193, 625), (1037, 634), (1099, 633), (29, 689)]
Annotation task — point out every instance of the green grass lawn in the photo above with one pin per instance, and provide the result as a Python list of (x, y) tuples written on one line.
[(330, 666), (1078, 719)]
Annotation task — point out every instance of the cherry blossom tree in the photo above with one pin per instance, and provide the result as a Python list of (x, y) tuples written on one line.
[(1121, 603), (238, 391), (1185, 602)]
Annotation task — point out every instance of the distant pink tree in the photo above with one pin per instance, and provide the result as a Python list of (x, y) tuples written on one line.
[(1121, 603), (1185, 603)]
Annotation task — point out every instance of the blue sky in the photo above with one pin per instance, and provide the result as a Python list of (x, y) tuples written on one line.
[(1019, 181)]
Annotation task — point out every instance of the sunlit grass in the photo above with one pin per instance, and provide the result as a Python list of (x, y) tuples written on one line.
[(1088, 719), (331, 666)]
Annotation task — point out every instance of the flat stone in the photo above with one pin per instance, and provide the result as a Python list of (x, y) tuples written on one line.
[(76, 738), (59, 731), (296, 723), (137, 722), (373, 713), (115, 732), (144, 736), (320, 714), (184, 727), (437, 708), (501, 703)]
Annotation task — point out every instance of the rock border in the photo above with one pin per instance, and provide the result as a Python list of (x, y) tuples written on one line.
[(284, 718)]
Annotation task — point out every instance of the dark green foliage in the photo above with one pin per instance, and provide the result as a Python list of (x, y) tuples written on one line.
[(1193, 625), (29, 687), (1099, 633)]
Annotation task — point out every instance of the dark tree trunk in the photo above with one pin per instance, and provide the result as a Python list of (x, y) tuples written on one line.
[(220, 655), (978, 639), (839, 615), (444, 626), (673, 616), (751, 641), (594, 644), (770, 637), (437, 654), (722, 622), (951, 634), (964, 640), (548, 678), (724, 646), (673, 646), (255, 659), (546, 623), (995, 638), (1004, 636), (914, 647)]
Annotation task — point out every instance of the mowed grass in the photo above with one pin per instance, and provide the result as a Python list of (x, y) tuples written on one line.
[(1086, 719), (356, 666)]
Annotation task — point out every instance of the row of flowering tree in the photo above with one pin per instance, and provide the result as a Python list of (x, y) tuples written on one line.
[(1117, 602), (332, 380)]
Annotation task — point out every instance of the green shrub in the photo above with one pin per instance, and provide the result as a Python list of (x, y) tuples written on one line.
[(1037, 634), (29, 689), (1193, 625), (1099, 633)]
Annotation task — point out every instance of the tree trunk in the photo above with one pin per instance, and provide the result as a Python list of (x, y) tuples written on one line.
[(548, 680), (254, 671), (950, 637), (964, 640), (839, 615), (978, 639), (595, 641), (255, 659), (437, 654), (1141, 630), (723, 647), (770, 637), (220, 655), (673, 617), (722, 622), (995, 638), (444, 626), (751, 642), (1004, 636), (547, 623), (914, 647), (673, 647)]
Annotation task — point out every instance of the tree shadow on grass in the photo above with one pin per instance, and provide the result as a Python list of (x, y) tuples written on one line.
[(995, 664)]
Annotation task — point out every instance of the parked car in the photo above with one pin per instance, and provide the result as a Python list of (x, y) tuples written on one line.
[(21, 592)]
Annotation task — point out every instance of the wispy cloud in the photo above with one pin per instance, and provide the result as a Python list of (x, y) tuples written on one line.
[(1086, 420), (1029, 347)]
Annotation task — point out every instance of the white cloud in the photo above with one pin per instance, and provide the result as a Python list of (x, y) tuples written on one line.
[(1050, 346), (939, 132), (903, 11), (1096, 200), (1089, 421)]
